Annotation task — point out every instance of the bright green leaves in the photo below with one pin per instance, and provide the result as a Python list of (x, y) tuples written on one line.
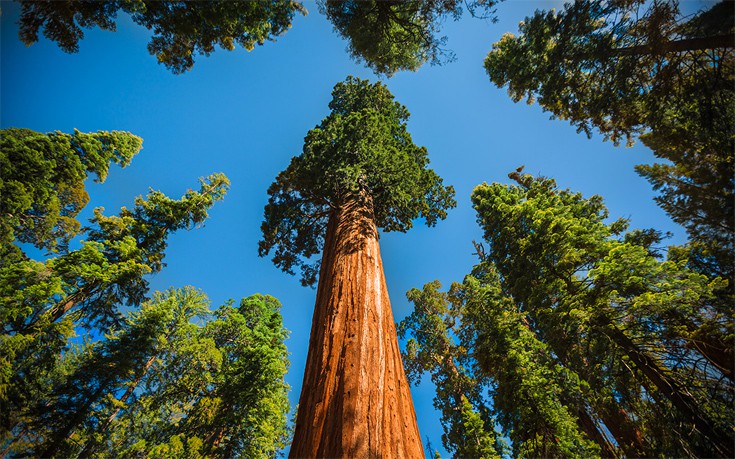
[(42, 181), (361, 150), (182, 30), (440, 344), (174, 380), (390, 36), (533, 397)]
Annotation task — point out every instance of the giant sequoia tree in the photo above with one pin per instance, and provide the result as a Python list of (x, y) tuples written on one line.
[(641, 68), (359, 171)]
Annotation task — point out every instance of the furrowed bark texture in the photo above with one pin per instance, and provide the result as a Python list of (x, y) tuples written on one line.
[(355, 400)]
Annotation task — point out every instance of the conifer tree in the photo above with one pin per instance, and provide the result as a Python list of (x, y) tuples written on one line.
[(644, 334), (359, 171), (639, 68), (182, 30)]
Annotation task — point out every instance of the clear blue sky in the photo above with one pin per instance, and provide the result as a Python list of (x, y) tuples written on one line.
[(246, 114)]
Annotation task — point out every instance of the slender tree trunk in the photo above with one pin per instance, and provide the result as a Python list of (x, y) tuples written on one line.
[(355, 400), (626, 433), (588, 425), (714, 350), (58, 438)]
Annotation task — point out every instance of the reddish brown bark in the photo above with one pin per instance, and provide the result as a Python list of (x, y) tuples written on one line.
[(355, 400), (626, 433)]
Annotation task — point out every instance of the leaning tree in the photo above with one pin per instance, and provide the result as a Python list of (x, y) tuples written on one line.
[(359, 171)]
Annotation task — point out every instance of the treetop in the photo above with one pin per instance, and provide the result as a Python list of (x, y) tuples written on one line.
[(362, 149)]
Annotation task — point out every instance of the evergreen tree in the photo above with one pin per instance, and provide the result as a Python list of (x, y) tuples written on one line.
[(182, 30), (438, 345), (645, 334), (218, 393), (42, 183), (641, 68), (45, 303), (359, 171), (390, 36)]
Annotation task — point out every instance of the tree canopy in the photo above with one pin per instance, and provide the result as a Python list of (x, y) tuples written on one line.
[(361, 150), (160, 377), (42, 182), (394, 35), (182, 30), (387, 36), (646, 335), (641, 68), (584, 341)]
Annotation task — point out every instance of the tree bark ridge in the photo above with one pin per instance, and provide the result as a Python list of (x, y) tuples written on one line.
[(355, 399)]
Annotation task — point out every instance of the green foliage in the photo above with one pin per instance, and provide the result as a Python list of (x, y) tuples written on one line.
[(360, 151), (166, 385), (390, 36), (157, 380), (646, 335), (575, 336), (43, 303), (182, 30), (629, 68), (438, 345), (42, 182), (233, 403), (534, 397)]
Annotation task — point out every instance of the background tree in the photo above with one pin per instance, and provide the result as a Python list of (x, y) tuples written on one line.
[(220, 394), (44, 303), (390, 36), (167, 384), (584, 340), (42, 183), (359, 171), (645, 334), (630, 68), (182, 30), (437, 345)]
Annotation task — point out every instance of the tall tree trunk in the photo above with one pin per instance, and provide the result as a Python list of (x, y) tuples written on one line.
[(355, 399)]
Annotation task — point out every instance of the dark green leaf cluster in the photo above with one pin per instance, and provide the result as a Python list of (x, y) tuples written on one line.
[(646, 336), (42, 182), (362, 150), (393, 35), (182, 30), (629, 68)]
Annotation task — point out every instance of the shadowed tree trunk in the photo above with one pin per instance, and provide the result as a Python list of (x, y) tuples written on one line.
[(355, 400)]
